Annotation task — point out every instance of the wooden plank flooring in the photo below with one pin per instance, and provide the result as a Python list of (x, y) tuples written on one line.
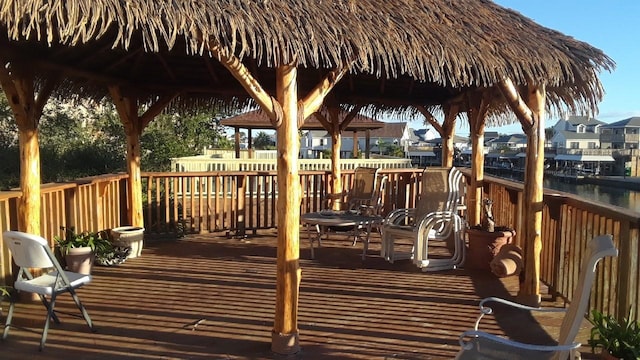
[(147, 307)]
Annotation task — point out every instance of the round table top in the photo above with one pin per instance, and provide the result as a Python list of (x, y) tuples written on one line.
[(338, 218)]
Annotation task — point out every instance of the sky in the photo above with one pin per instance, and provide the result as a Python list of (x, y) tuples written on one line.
[(613, 26)]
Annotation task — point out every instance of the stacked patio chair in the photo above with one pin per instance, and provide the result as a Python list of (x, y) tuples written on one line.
[(477, 344), (435, 218)]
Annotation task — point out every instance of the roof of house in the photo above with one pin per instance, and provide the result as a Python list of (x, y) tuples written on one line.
[(514, 138), (584, 120), (630, 122), (572, 135), (390, 130)]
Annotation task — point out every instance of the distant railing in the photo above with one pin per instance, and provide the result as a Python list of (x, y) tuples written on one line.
[(240, 203), (204, 163)]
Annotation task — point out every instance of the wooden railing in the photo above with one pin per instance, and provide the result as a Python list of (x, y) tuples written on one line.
[(568, 223), (240, 203)]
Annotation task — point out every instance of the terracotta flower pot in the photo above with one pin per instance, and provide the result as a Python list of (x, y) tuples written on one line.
[(484, 246), (80, 260)]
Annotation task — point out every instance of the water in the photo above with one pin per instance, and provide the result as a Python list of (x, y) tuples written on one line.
[(625, 198)]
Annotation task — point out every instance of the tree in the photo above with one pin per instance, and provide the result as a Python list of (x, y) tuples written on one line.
[(263, 142)]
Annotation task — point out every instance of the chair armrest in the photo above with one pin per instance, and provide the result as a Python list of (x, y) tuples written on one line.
[(467, 345), (398, 215), (485, 310)]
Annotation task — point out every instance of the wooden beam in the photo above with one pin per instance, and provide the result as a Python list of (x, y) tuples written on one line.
[(156, 108), (312, 102), (285, 336), (267, 103), (430, 119), (516, 103), (349, 118)]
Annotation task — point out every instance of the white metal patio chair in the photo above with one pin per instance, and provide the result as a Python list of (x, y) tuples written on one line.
[(477, 344), (432, 219), (33, 252)]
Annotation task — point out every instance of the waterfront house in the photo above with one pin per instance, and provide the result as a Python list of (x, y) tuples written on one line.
[(623, 134), (578, 124)]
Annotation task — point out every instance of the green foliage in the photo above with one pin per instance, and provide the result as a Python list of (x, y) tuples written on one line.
[(263, 142), (87, 138), (4, 291), (98, 242), (620, 338)]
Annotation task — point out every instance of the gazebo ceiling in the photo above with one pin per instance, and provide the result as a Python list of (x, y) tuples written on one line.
[(402, 53)]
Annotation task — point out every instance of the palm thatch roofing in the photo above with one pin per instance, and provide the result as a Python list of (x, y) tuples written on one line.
[(257, 119), (401, 52)]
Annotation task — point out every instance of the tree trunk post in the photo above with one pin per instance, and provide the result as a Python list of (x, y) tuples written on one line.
[(285, 337), (533, 193)]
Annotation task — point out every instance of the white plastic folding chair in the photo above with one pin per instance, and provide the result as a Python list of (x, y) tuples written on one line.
[(33, 252), (477, 344)]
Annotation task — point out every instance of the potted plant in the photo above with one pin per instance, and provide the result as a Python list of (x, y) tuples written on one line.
[(618, 339), (486, 239), (79, 250)]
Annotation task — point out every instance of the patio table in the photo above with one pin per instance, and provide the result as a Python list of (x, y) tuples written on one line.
[(361, 224)]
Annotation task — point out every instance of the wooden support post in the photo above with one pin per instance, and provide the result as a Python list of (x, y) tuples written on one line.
[(336, 145), (237, 142), (533, 191), (478, 106), (18, 85), (530, 113), (354, 153), (285, 337), (448, 133), (250, 143), (127, 107), (367, 144)]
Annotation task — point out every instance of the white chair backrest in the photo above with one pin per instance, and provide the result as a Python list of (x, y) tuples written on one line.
[(439, 190), (597, 248), (29, 251)]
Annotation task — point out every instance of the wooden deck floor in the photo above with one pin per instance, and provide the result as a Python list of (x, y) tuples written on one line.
[(348, 309)]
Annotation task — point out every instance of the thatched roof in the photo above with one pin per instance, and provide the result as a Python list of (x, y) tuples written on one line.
[(257, 119), (404, 52)]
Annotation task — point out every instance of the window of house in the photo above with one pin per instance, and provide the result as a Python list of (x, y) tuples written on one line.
[(580, 128), (321, 142), (592, 145), (575, 145)]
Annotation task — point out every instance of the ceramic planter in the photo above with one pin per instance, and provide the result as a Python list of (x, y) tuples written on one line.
[(483, 246), (129, 236), (80, 260)]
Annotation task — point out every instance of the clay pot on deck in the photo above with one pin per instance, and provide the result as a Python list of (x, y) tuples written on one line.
[(80, 260), (483, 246)]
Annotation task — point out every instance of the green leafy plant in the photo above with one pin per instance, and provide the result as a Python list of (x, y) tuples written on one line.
[(98, 242), (4, 291), (621, 338)]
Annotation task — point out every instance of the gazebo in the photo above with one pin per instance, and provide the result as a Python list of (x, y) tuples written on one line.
[(292, 58)]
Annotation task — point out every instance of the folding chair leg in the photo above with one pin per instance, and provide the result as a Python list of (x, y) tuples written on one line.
[(50, 315), (7, 324), (46, 305), (82, 309)]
